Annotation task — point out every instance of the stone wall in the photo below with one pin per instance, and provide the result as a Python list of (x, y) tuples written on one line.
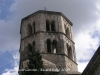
[(97, 70), (64, 40)]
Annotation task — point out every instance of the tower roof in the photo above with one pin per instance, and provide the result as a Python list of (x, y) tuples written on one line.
[(49, 12)]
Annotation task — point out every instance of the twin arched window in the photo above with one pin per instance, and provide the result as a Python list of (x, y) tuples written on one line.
[(47, 25), (31, 29), (31, 47), (69, 50), (50, 26), (51, 46), (53, 26), (34, 44), (67, 32), (34, 27)]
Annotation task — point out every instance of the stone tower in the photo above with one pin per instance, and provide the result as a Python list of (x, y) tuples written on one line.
[(51, 33)]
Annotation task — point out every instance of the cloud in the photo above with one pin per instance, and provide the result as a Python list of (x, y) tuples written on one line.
[(9, 33), (15, 63), (85, 45), (11, 71), (0, 11), (83, 14), (81, 66), (86, 42), (3, 2), (13, 7)]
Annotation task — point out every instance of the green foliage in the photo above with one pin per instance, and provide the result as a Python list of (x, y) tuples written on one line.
[(35, 63)]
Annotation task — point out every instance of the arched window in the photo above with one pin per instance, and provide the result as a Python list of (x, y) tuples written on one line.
[(29, 30), (34, 26), (49, 45), (53, 26), (65, 28), (33, 45), (67, 32), (30, 47), (54, 46), (70, 52), (47, 25)]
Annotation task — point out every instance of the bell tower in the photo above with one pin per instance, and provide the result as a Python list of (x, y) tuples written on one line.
[(51, 33)]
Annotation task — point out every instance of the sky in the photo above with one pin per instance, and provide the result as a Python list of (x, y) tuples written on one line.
[(84, 14)]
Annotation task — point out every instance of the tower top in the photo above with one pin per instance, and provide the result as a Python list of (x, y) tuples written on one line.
[(48, 12)]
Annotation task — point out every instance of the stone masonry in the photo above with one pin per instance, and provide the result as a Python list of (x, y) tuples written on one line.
[(51, 33)]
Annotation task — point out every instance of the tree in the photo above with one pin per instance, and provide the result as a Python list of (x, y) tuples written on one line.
[(35, 63)]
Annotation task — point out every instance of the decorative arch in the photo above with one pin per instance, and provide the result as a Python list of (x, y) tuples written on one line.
[(53, 25), (47, 25), (48, 45), (54, 46), (29, 30)]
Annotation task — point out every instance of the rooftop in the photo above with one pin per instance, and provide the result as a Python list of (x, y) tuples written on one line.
[(49, 12)]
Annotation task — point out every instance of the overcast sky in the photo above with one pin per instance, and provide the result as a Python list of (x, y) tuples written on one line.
[(84, 14)]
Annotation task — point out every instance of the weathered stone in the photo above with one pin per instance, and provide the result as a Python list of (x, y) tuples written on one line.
[(57, 29)]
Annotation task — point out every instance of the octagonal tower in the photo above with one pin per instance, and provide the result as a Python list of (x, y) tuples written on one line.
[(51, 33)]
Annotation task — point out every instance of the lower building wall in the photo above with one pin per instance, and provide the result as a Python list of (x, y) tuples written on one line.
[(58, 60), (71, 65), (97, 70), (61, 61), (51, 73)]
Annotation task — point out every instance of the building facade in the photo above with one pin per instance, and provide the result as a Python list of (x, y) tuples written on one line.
[(51, 33), (93, 67)]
